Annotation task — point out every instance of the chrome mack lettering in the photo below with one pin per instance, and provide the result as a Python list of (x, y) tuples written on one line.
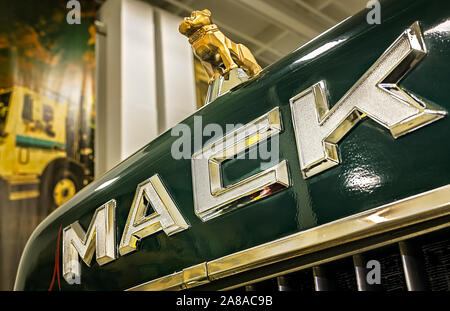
[(211, 198), (165, 215), (317, 129), (100, 237), (376, 95)]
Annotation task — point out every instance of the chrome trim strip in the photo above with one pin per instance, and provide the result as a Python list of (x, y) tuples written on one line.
[(189, 277), (344, 254), (409, 211)]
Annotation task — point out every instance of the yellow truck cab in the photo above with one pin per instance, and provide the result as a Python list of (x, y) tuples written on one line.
[(33, 141)]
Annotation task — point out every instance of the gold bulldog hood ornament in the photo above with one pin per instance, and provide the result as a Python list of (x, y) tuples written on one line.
[(226, 63)]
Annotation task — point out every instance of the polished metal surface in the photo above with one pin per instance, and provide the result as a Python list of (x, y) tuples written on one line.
[(217, 53), (283, 284), (189, 277), (413, 267), (222, 85), (376, 95), (359, 263), (165, 215), (211, 198), (322, 281), (416, 209), (99, 238), (375, 169)]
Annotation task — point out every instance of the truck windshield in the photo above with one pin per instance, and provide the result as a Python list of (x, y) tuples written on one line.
[(4, 106)]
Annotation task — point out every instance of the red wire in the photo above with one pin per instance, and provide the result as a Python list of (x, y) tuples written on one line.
[(56, 267)]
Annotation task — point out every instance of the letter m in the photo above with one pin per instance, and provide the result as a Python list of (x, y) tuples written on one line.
[(100, 237)]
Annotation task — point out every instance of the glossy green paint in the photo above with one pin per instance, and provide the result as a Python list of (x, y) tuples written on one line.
[(375, 169)]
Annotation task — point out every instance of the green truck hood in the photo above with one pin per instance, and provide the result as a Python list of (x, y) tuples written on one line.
[(375, 168)]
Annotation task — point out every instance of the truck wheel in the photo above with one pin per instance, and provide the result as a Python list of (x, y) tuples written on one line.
[(57, 187)]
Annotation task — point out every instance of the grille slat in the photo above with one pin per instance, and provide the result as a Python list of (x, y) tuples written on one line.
[(392, 276), (322, 280), (412, 261), (250, 288), (283, 284), (361, 271)]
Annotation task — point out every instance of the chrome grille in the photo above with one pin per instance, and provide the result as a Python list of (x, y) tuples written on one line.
[(420, 263)]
